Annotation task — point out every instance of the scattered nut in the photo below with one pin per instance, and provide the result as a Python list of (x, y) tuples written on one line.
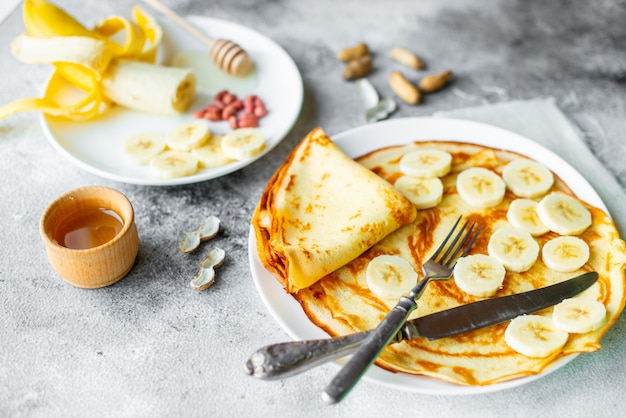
[(358, 67), (352, 53), (404, 89), (406, 57), (434, 82), (207, 230), (206, 275)]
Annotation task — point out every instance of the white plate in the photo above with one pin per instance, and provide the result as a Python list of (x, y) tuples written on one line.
[(356, 142), (97, 146)]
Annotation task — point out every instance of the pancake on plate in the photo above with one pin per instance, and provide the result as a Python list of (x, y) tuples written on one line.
[(321, 210), (341, 301)]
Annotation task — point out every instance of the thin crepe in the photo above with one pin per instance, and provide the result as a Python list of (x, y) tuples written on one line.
[(320, 210)]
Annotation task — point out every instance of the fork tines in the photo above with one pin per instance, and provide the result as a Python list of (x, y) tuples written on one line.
[(448, 259)]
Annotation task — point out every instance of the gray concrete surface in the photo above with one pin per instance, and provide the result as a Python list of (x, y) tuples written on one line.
[(150, 346)]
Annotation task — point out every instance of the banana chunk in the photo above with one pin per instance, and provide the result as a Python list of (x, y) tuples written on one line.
[(142, 147), (172, 164), (188, 136), (480, 187), (428, 163), (211, 154), (515, 249), (424, 193), (243, 143), (565, 253), (479, 275), (522, 214), (579, 315), (534, 336), (390, 276), (526, 178), (563, 214)]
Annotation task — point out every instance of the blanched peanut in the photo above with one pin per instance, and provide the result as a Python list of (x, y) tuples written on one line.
[(434, 82), (354, 52), (404, 89), (406, 57)]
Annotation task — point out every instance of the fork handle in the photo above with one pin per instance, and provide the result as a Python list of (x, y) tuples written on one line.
[(350, 374)]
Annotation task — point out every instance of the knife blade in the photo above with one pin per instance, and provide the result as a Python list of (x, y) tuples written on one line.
[(278, 361)]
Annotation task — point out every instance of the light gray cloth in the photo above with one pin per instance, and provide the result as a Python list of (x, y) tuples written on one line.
[(543, 122)]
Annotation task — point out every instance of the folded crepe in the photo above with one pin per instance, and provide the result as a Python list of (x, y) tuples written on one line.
[(320, 210)]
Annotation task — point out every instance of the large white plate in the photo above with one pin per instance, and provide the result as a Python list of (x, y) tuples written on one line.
[(356, 142), (97, 146)]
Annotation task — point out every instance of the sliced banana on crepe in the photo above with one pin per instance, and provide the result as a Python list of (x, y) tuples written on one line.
[(427, 163), (579, 315), (480, 187), (522, 214), (424, 193), (515, 249), (188, 136), (534, 336), (211, 154), (526, 178), (142, 147), (479, 275), (243, 143), (390, 276), (565, 253), (563, 214), (172, 164)]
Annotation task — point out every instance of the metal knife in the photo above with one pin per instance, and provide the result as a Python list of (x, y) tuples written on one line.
[(278, 361)]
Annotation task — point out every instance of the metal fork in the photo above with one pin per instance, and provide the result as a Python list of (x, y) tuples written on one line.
[(439, 267)]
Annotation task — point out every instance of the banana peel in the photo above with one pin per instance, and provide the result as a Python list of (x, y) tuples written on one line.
[(52, 36)]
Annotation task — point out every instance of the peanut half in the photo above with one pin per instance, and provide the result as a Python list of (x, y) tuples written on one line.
[(404, 89), (358, 67), (406, 57), (354, 52), (434, 82)]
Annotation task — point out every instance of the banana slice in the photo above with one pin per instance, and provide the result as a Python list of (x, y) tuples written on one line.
[(423, 192), (563, 214), (565, 253), (172, 164), (243, 143), (522, 214), (188, 136), (427, 163), (479, 275), (211, 154), (141, 148), (579, 315), (534, 336), (390, 276), (515, 249), (480, 187), (527, 178)]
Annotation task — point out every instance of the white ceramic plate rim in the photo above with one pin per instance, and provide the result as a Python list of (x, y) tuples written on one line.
[(97, 146), (361, 140)]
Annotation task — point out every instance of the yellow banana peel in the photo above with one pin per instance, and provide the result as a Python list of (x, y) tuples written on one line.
[(53, 36)]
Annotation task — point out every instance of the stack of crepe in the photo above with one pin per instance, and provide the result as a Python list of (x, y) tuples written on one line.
[(320, 221)]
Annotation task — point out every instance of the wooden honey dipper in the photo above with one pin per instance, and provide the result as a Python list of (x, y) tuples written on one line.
[(227, 55)]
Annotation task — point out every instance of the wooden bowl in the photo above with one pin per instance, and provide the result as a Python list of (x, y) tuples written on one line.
[(109, 259)]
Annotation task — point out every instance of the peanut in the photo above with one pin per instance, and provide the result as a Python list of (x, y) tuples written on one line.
[(352, 53), (434, 82), (358, 67), (406, 57), (404, 89)]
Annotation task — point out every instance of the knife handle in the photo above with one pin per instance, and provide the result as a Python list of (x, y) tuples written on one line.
[(350, 374), (282, 360)]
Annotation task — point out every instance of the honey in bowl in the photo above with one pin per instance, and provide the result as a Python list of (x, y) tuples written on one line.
[(88, 228)]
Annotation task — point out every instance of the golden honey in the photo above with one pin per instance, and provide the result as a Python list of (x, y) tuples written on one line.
[(88, 228)]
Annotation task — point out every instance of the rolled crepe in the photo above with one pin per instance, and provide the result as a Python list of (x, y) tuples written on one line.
[(149, 87), (320, 210)]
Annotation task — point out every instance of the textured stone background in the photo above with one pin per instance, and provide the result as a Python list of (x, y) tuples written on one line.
[(150, 346)]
